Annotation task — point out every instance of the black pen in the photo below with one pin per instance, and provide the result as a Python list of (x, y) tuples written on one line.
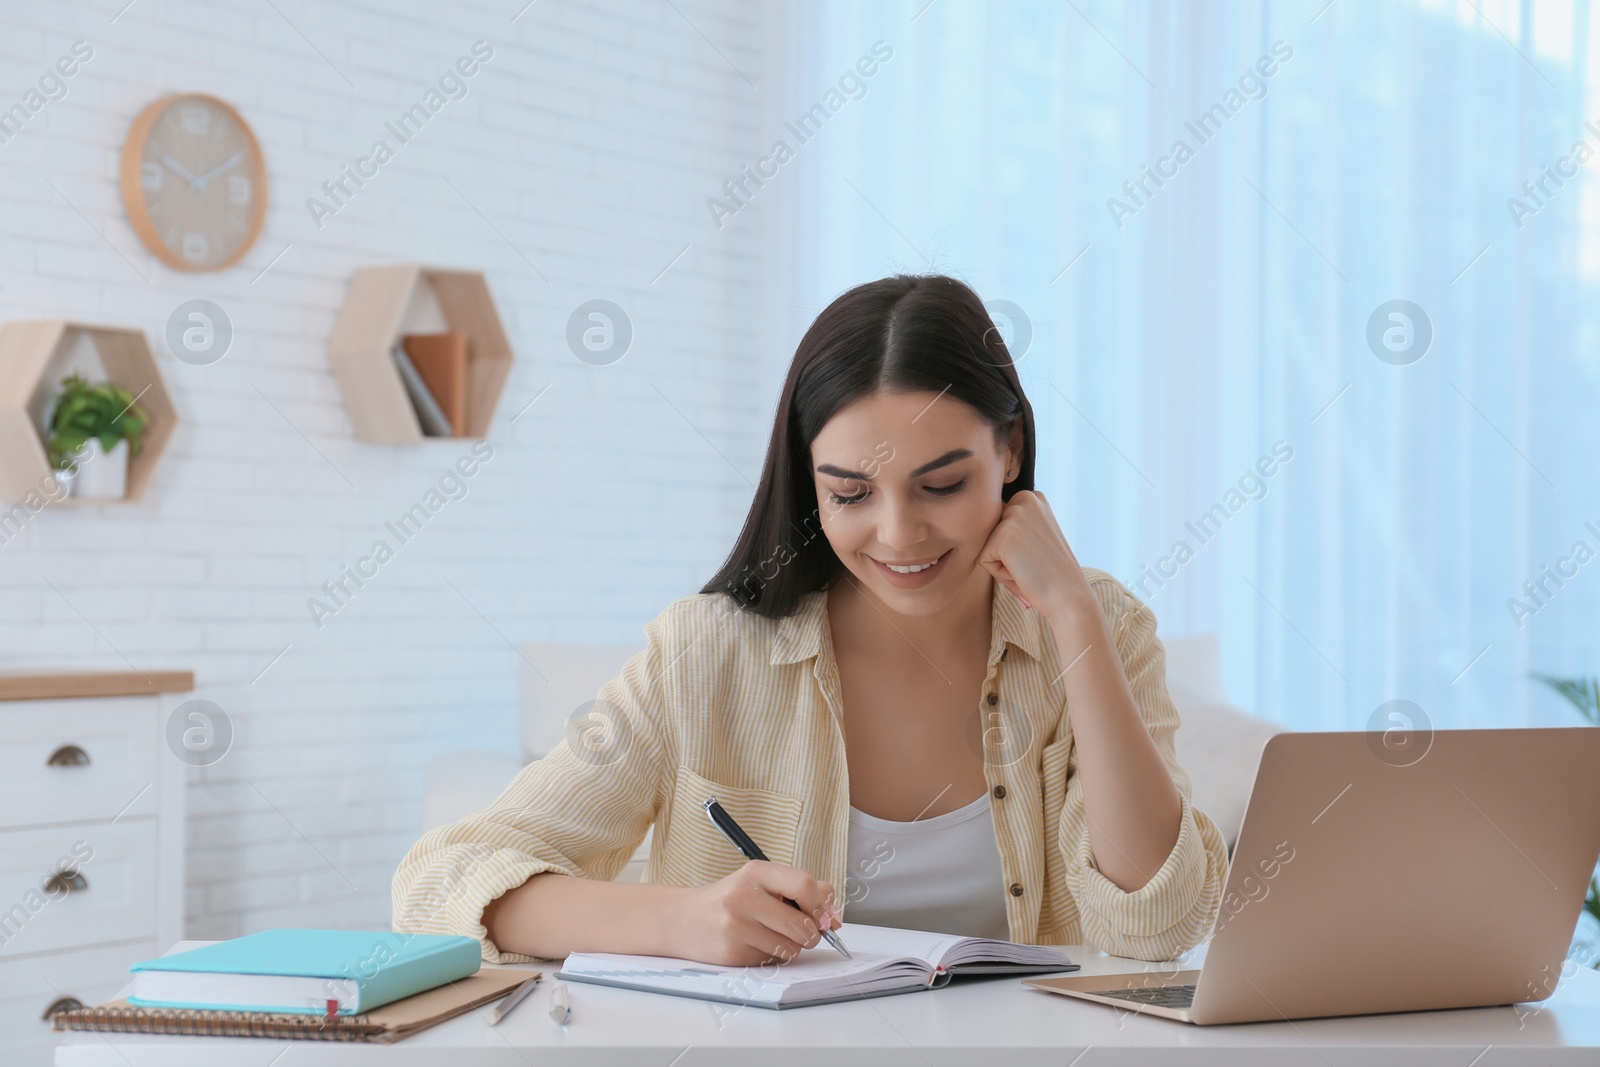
[(751, 851)]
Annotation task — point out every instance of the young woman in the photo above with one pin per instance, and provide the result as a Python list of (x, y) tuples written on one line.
[(901, 684)]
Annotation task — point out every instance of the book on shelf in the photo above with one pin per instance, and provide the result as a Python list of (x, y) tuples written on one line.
[(441, 361), (430, 416)]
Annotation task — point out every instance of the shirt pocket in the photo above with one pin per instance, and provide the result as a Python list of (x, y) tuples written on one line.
[(694, 851)]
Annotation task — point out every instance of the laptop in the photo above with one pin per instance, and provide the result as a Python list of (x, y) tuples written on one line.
[(1386, 872)]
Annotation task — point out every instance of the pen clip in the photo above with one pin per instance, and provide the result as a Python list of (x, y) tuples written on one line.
[(730, 828)]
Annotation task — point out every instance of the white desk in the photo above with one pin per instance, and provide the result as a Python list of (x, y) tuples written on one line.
[(994, 1020)]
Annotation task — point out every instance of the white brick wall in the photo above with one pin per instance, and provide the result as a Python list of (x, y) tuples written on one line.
[(590, 141)]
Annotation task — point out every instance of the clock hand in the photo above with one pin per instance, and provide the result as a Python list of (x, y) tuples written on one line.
[(214, 171), (178, 169)]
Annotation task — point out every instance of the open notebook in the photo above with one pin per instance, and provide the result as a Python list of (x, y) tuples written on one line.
[(886, 961)]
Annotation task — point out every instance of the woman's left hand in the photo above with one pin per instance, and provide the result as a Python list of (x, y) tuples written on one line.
[(1029, 555)]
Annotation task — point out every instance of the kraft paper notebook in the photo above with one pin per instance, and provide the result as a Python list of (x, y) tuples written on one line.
[(384, 1025), (887, 961)]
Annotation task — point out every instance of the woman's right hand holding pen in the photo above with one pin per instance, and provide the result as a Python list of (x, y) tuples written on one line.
[(742, 920)]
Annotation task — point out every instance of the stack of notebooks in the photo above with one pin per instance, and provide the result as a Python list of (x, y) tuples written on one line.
[(327, 985), (886, 961), (433, 368)]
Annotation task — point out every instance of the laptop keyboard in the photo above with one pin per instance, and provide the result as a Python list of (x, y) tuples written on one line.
[(1168, 996)]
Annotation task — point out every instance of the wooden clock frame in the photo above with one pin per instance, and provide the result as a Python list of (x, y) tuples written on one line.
[(133, 200)]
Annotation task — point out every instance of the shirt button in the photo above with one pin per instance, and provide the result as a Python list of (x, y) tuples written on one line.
[(1016, 889), (999, 792), (993, 699)]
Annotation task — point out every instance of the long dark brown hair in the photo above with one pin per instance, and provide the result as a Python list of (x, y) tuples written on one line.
[(902, 334)]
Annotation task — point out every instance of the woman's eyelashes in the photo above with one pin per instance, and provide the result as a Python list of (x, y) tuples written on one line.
[(846, 501), (936, 490)]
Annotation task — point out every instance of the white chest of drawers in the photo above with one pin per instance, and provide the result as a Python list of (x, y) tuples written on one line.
[(91, 842)]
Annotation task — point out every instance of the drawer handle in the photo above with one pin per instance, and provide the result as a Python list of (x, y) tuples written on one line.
[(68, 756), (66, 882), (61, 1004)]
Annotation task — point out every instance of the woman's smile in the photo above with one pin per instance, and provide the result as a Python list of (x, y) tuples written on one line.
[(911, 574)]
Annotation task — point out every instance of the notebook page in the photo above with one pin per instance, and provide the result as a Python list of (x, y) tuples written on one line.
[(984, 950), (815, 972), (924, 945), (947, 950)]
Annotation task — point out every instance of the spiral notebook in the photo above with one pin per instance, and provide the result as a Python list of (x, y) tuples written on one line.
[(886, 961), (392, 1022)]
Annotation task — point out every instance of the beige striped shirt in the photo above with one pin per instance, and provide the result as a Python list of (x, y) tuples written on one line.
[(727, 703)]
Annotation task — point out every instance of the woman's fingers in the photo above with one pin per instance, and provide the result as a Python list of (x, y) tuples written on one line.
[(800, 924), (814, 896), (767, 944), (1005, 578), (991, 545), (989, 559), (784, 923)]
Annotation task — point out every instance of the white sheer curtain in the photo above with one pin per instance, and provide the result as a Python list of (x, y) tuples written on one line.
[(1182, 330)]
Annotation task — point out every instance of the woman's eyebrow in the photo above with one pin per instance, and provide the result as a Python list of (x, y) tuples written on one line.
[(859, 476), (943, 461), (840, 472)]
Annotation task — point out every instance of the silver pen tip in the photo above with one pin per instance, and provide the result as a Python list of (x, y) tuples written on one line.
[(833, 939)]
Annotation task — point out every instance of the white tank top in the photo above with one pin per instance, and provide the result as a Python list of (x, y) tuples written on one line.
[(941, 874)]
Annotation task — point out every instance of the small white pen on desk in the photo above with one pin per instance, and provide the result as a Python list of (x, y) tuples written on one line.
[(560, 1003), (512, 999)]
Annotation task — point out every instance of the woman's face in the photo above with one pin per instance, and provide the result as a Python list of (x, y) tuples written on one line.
[(906, 480)]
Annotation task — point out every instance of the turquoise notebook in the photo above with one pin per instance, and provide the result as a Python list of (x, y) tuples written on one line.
[(305, 971)]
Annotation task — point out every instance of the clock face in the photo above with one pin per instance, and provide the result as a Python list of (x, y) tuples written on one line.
[(193, 182)]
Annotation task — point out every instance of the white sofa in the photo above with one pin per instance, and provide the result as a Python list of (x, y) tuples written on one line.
[(555, 680), (1218, 744)]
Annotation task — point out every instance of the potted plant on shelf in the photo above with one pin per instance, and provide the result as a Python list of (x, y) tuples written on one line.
[(94, 430)]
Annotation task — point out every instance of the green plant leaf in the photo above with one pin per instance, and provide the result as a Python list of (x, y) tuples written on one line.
[(102, 410), (1582, 693)]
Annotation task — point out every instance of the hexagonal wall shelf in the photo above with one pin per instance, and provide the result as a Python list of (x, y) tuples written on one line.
[(385, 303), (34, 356)]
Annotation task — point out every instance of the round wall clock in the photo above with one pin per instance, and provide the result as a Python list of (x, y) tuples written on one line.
[(193, 182)]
